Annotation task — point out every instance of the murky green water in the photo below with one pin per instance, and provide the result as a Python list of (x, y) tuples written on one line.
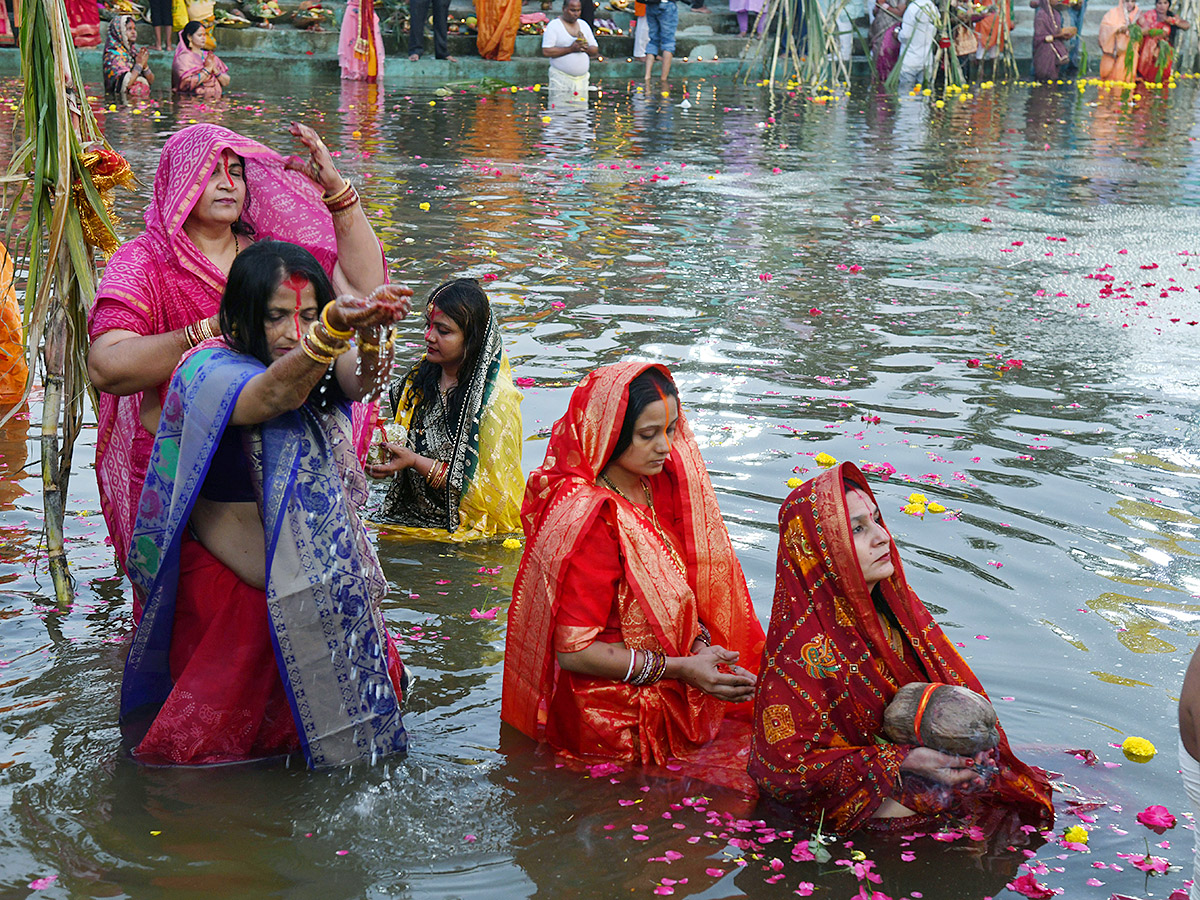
[(735, 240)]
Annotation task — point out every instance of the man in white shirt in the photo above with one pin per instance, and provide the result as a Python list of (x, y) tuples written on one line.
[(918, 32)]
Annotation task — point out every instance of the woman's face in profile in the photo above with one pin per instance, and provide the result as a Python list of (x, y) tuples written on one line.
[(872, 542), (653, 432)]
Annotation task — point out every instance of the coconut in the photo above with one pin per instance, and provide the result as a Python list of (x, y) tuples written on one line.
[(956, 720)]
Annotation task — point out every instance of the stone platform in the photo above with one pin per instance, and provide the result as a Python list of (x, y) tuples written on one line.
[(707, 46)]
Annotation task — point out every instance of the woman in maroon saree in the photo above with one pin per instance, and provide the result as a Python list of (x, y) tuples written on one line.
[(846, 633)]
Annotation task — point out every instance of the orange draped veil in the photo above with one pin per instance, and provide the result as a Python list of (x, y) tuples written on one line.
[(829, 672), (659, 609)]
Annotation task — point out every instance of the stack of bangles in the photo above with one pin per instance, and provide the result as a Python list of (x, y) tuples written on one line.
[(654, 665), (323, 343), (705, 636), (343, 201), (200, 330), (436, 476)]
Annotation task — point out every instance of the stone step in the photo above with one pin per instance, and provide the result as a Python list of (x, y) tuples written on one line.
[(714, 31)]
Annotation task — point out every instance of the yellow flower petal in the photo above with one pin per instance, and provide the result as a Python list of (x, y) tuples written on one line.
[(425, 206), (1076, 834), (794, 483), (825, 460), (917, 498), (936, 507), (512, 544)]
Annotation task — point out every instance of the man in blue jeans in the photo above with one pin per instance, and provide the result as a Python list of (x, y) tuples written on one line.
[(662, 17)]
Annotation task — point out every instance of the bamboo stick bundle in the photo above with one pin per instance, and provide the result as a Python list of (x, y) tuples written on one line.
[(63, 172)]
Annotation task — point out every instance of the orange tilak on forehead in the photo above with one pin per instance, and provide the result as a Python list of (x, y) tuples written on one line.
[(296, 283), (666, 416)]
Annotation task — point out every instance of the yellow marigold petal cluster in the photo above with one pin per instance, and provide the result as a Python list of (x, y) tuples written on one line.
[(915, 509), (511, 544), (825, 460), (1138, 749), (1076, 834), (794, 483), (936, 507)]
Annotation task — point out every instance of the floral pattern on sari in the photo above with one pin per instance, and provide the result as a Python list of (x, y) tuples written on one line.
[(324, 582), (829, 661)]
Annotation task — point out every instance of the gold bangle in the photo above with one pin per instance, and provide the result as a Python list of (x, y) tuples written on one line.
[(325, 361), (331, 350), (333, 332), (330, 200), (368, 347)]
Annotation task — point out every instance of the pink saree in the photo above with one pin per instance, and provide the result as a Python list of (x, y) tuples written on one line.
[(160, 282), (360, 43), (186, 69)]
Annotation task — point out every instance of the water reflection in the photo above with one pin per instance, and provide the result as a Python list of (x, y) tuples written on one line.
[(834, 305)]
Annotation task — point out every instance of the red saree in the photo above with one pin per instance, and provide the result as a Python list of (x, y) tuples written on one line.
[(654, 607), (829, 672), (1155, 50), (84, 19)]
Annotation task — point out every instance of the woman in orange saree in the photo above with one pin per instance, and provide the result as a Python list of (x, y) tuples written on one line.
[(846, 633), (1117, 63), (498, 21), (630, 612)]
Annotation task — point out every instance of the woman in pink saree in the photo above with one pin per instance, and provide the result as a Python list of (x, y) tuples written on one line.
[(360, 43), (196, 69), (215, 193)]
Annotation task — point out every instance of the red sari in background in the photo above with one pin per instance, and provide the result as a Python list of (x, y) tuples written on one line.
[(595, 568), (829, 671), (84, 19), (1153, 46), (498, 21)]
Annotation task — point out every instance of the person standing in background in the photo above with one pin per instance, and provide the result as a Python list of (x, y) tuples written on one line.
[(662, 18), (418, 13)]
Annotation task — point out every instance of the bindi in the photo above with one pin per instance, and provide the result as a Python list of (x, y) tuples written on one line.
[(295, 283)]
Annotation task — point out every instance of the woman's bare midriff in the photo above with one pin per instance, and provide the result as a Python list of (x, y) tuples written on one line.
[(233, 533), (890, 809)]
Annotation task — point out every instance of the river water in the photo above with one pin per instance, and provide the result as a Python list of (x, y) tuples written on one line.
[(821, 277)]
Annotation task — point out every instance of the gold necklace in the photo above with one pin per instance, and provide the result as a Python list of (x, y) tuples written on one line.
[(652, 517), (894, 637)]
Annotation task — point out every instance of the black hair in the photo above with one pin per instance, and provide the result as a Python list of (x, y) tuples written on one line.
[(188, 30), (652, 385), (466, 303), (254, 277)]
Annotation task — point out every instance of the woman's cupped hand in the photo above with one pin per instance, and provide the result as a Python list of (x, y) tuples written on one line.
[(386, 305), (714, 670)]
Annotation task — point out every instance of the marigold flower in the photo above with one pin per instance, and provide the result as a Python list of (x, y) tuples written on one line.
[(511, 544), (1138, 749), (936, 507), (915, 497), (825, 460), (915, 509), (1076, 834), (794, 483)]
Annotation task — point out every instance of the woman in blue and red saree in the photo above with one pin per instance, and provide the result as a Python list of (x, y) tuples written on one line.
[(262, 633)]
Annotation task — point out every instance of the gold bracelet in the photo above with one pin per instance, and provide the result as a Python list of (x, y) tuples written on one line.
[(367, 347), (330, 200), (325, 361), (333, 351), (333, 332)]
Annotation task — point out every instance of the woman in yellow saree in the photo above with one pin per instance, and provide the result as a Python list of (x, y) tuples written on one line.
[(454, 444)]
